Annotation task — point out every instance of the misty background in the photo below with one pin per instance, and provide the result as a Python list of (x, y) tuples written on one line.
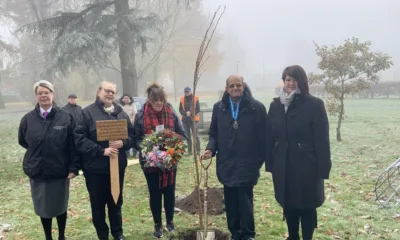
[(281, 33), (255, 38)]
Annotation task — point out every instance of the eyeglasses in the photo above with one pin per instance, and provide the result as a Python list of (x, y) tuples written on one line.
[(108, 91), (43, 93), (235, 85)]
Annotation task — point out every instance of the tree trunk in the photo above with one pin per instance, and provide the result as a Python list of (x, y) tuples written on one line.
[(338, 134), (2, 105), (126, 53)]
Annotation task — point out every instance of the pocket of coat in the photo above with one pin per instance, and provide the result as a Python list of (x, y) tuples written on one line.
[(308, 151)]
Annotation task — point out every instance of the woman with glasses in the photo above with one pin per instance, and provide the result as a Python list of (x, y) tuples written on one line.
[(96, 160), (50, 160)]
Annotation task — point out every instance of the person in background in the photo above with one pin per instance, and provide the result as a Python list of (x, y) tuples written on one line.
[(50, 160), (157, 112), (239, 136), (73, 108), (126, 101), (96, 160), (301, 152), (186, 111)]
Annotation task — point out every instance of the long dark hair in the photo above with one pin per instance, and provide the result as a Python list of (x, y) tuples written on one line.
[(125, 95), (300, 75)]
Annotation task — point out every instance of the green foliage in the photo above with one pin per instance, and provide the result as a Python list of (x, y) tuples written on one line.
[(350, 202), (351, 65), (91, 35), (70, 51), (347, 69)]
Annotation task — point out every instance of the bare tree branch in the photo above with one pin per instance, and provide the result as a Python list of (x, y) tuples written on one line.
[(197, 73)]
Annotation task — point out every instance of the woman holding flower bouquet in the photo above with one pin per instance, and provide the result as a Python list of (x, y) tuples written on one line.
[(159, 138)]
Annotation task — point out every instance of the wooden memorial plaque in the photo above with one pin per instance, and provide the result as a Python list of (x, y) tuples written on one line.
[(111, 130)]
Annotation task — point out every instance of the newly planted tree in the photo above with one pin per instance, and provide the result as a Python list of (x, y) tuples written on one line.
[(347, 69), (197, 73)]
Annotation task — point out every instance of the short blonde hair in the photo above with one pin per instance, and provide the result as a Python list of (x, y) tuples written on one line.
[(45, 84)]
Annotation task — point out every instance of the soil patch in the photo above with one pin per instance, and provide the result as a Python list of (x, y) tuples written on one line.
[(191, 234), (215, 202)]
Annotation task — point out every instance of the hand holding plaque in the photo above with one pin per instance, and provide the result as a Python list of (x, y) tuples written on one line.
[(113, 131)]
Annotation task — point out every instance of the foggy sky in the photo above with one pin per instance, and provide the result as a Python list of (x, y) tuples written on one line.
[(281, 32), (278, 33)]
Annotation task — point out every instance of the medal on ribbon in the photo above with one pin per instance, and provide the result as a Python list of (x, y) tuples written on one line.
[(235, 113)]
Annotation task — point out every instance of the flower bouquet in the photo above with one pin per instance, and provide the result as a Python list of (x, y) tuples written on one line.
[(162, 149)]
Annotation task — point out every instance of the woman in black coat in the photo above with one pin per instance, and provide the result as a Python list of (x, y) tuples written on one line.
[(50, 160), (301, 153)]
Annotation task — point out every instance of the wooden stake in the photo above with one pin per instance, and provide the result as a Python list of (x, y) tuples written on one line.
[(110, 130), (114, 177)]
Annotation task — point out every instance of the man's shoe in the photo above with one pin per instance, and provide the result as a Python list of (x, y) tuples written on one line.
[(119, 237), (158, 232), (170, 227)]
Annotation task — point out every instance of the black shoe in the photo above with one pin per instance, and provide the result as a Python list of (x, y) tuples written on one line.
[(158, 232), (119, 237), (170, 227)]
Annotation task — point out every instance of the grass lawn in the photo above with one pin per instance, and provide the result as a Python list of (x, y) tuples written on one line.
[(370, 142)]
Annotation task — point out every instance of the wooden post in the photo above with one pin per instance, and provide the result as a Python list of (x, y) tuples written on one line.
[(112, 130)]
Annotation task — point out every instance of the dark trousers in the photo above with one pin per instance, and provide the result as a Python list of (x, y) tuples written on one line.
[(188, 126), (308, 219), (99, 188), (239, 211), (156, 193)]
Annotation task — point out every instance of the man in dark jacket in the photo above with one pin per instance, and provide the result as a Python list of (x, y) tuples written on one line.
[(239, 136), (73, 108), (96, 161), (185, 109)]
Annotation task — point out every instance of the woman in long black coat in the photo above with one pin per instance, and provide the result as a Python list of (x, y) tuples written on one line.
[(301, 153)]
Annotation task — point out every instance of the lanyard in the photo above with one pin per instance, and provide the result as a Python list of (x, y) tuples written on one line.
[(235, 111)]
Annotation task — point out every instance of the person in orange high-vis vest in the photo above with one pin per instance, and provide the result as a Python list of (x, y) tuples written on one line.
[(185, 109)]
